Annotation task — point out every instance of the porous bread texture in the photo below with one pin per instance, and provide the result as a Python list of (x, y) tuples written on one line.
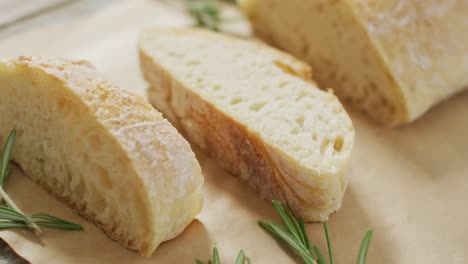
[(393, 59), (104, 151), (256, 111)]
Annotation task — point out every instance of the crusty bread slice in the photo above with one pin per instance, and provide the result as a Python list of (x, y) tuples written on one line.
[(105, 151), (392, 58), (256, 111)]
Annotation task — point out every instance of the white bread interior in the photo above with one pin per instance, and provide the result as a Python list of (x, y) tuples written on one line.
[(394, 59), (104, 151), (256, 111)]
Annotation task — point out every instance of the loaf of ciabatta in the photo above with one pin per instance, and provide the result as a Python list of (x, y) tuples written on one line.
[(394, 59), (104, 151), (256, 111)]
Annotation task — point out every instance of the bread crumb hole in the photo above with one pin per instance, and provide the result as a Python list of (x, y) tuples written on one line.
[(193, 63), (173, 54), (338, 145), (300, 121), (256, 106), (314, 137), (103, 95), (236, 100), (300, 96), (217, 87)]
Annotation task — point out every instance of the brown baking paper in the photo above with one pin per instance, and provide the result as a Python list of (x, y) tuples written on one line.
[(409, 184)]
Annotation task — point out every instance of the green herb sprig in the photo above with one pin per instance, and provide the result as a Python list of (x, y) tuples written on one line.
[(207, 13), (10, 215), (240, 259), (294, 235)]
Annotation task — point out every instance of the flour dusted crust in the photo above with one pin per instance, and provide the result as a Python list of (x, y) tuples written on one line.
[(105, 151), (314, 185), (393, 59)]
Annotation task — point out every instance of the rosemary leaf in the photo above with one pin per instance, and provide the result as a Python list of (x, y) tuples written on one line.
[(51, 218), (205, 12), (11, 224), (291, 242), (320, 258), (302, 234), (240, 259), (216, 256), (281, 208), (330, 250), (303, 231), (59, 225), (6, 155), (364, 247), (10, 214), (267, 227), (294, 235)]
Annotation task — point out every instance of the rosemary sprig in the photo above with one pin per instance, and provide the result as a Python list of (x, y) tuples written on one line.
[(10, 215), (290, 233), (207, 13), (4, 165), (52, 221), (241, 258), (294, 235), (364, 247), (10, 206), (330, 250)]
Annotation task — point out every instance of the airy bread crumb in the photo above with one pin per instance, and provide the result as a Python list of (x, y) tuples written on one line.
[(105, 151), (256, 111)]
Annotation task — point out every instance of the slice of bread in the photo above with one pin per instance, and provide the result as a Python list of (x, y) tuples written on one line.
[(392, 58), (256, 111), (104, 151)]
